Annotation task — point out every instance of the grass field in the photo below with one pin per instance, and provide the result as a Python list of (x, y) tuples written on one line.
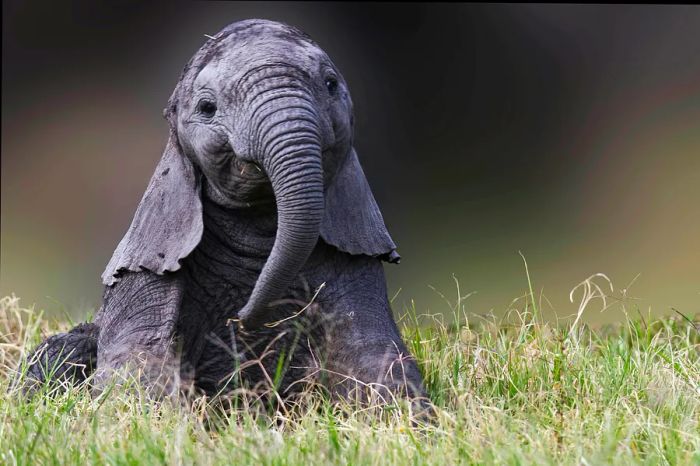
[(512, 390)]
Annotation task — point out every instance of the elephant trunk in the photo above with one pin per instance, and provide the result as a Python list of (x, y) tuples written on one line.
[(290, 149)]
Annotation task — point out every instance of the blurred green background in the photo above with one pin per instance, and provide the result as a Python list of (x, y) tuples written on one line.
[(570, 133)]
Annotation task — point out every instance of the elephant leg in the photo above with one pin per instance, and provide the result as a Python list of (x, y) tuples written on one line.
[(365, 357), (368, 363), (137, 322), (66, 358)]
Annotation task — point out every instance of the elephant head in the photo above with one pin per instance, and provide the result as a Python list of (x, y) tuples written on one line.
[(259, 116)]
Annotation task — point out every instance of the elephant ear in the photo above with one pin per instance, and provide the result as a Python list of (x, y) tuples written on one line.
[(352, 221), (168, 222)]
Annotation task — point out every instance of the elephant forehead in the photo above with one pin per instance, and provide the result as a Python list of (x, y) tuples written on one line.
[(257, 51), (264, 29), (246, 62), (255, 44), (210, 75), (246, 46)]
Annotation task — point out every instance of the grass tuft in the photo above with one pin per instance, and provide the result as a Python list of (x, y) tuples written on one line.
[(514, 390)]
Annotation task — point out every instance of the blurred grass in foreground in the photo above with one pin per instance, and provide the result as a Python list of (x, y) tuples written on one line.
[(513, 391)]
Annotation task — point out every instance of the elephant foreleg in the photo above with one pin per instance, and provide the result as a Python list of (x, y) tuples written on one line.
[(365, 354), (371, 361), (138, 321)]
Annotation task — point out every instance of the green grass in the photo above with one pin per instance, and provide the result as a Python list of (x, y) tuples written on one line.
[(516, 390)]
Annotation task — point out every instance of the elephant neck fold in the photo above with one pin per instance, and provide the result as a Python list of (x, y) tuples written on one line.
[(245, 232)]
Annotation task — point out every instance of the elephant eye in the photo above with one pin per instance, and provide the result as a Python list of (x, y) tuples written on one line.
[(207, 108), (331, 85)]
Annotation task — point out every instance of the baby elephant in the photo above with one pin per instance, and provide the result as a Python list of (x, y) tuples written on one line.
[(255, 256)]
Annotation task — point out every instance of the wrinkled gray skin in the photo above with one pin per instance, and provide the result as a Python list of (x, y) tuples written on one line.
[(258, 200)]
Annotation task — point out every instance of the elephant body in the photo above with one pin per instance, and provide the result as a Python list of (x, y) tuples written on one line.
[(346, 333), (255, 256)]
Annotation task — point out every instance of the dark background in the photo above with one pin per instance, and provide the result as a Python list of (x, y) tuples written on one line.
[(570, 133)]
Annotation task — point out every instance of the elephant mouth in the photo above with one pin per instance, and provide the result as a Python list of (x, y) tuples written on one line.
[(247, 172), (239, 184), (246, 169), (245, 184)]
